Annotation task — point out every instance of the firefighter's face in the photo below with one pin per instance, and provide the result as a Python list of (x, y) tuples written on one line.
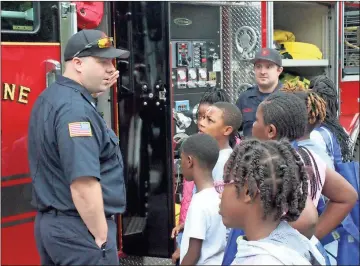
[(97, 74), (266, 73)]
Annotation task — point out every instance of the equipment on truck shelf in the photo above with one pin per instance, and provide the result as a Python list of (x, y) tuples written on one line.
[(290, 49)]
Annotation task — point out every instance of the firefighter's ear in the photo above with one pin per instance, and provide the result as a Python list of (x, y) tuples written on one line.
[(77, 63)]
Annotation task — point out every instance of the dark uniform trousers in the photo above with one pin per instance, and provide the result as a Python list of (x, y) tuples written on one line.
[(64, 239)]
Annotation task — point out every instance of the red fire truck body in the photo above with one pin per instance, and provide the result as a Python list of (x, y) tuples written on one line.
[(22, 81)]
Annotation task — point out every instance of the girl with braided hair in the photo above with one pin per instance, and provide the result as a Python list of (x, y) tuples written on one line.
[(342, 143), (265, 188), (280, 116), (316, 109), (308, 219), (316, 106), (331, 155)]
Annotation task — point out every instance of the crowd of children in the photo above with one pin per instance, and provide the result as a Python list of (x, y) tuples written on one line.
[(266, 188)]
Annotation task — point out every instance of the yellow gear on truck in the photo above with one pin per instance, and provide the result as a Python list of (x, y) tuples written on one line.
[(287, 77), (295, 50), (302, 50), (283, 36)]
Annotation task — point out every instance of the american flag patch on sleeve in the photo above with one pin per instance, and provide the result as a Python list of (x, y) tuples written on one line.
[(80, 129)]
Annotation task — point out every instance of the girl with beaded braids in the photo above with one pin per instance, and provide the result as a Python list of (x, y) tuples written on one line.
[(265, 188), (326, 89), (280, 116)]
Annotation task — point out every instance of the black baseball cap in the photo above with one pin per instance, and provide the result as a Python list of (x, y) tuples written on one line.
[(268, 54), (78, 43)]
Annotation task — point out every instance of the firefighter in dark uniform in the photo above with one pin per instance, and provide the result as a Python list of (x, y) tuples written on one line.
[(267, 67), (75, 161)]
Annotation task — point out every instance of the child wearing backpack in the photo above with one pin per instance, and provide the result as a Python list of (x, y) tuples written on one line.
[(326, 89), (331, 155)]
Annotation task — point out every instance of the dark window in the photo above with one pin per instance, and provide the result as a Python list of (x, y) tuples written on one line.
[(20, 17), (351, 38), (29, 21)]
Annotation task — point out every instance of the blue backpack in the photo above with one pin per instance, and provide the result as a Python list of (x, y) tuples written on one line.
[(231, 247), (347, 233)]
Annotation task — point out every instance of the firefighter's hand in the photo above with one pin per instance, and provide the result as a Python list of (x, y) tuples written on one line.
[(177, 229), (175, 256), (112, 79)]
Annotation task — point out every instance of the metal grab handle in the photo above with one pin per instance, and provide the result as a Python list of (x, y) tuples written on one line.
[(68, 11), (52, 69), (27, 15)]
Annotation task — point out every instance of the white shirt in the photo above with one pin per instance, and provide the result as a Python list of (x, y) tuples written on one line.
[(318, 139), (203, 221), (257, 260), (218, 170)]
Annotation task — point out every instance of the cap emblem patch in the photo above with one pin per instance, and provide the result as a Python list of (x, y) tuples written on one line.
[(265, 52)]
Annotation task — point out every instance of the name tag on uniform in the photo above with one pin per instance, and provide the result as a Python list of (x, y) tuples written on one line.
[(80, 129)]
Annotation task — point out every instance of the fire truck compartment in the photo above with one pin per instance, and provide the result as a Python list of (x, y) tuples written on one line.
[(312, 23), (309, 22)]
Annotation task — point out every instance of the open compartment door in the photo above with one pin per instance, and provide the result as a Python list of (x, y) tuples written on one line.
[(145, 127)]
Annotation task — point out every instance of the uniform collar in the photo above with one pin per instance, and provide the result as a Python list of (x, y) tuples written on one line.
[(255, 91), (76, 87)]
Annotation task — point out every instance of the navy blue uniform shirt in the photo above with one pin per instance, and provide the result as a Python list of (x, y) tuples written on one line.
[(69, 139), (248, 103)]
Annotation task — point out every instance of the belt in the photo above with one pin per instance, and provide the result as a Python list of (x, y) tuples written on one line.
[(57, 212)]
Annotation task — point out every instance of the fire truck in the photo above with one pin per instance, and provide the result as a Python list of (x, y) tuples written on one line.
[(178, 50)]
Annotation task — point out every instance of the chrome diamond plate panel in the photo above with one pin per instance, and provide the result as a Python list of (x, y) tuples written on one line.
[(237, 68)]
